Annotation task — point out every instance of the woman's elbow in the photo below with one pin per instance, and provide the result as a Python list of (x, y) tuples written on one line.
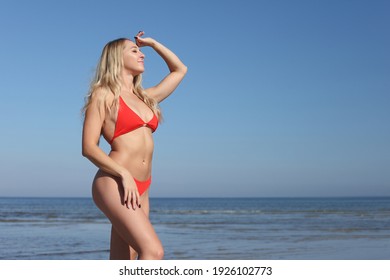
[(86, 151), (184, 70), (180, 69)]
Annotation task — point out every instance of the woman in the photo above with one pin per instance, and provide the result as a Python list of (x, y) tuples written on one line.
[(118, 108)]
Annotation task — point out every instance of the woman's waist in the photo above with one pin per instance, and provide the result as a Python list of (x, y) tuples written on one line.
[(138, 164), (139, 177)]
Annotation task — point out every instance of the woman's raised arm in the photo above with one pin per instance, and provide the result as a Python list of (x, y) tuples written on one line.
[(177, 69)]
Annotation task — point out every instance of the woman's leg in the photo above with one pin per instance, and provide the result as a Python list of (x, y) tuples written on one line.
[(119, 249), (133, 226)]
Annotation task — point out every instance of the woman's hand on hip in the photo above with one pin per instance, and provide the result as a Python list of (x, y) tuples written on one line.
[(130, 191)]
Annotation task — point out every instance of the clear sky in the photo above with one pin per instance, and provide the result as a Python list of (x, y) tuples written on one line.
[(282, 98)]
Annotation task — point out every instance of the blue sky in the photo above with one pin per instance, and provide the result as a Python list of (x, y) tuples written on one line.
[(282, 98)]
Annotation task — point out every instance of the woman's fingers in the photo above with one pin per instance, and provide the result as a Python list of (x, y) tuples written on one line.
[(138, 199), (138, 40), (125, 197), (135, 199), (128, 199), (132, 199)]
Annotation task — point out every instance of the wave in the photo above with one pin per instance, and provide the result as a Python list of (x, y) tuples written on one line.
[(35, 220), (267, 212), (56, 255)]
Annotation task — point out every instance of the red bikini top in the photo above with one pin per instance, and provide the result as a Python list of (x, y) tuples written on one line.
[(127, 121)]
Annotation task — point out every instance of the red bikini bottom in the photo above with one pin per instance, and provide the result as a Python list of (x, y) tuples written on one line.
[(143, 185)]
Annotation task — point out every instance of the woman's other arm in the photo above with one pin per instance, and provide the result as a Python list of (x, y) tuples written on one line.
[(93, 122)]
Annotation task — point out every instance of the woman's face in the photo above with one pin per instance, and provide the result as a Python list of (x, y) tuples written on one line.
[(133, 59)]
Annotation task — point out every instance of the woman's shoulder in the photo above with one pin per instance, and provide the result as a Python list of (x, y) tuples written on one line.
[(102, 96), (101, 93)]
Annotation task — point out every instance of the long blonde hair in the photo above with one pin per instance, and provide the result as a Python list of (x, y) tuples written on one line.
[(108, 80)]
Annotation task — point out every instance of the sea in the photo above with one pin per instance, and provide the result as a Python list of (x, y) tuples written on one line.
[(342, 228)]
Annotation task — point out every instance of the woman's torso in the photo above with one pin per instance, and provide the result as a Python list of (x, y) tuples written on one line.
[(134, 149)]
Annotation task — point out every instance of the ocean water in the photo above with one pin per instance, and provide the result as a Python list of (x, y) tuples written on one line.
[(204, 228)]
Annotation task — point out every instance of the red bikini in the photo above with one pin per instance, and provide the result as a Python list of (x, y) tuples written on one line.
[(127, 121)]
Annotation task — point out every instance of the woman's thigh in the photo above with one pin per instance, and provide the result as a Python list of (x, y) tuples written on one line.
[(119, 248), (132, 225)]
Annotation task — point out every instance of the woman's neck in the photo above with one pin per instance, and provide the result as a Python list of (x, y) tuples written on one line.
[(127, 83)]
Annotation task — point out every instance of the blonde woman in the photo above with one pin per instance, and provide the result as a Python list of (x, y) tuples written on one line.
[(118, 108)]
